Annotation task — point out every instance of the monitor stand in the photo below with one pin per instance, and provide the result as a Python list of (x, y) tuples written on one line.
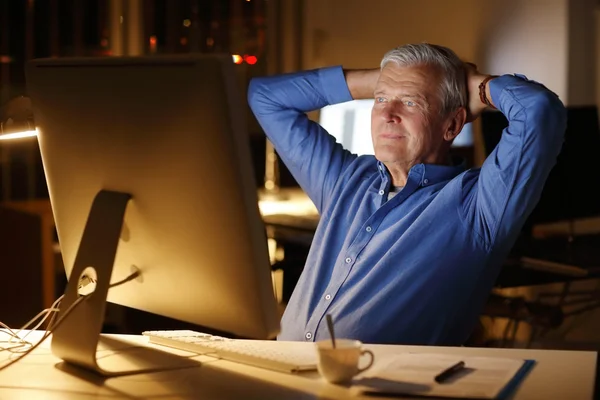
[(77, 338)]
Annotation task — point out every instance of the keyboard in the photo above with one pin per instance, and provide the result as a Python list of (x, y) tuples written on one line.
[(290, 357)]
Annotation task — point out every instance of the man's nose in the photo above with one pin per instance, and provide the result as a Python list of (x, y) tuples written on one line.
[(391, 114)]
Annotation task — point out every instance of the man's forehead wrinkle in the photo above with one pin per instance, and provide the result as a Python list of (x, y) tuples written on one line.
[(405, 91), (411, 82)]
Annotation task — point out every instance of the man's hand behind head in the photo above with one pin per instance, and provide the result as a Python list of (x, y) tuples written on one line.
[(361, 83), (474, 79)]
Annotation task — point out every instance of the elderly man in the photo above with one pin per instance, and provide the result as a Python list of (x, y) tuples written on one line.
[(409, 243)]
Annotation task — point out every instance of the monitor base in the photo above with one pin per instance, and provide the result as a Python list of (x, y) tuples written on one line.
[(77, 339)]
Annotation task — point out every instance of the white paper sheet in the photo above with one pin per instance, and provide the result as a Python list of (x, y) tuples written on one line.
[(414, 374)]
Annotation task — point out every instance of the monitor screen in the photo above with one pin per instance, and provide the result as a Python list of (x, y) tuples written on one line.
[(169, 132), (350, 124)]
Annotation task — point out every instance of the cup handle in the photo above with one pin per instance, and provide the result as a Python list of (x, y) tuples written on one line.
[(372, 358)]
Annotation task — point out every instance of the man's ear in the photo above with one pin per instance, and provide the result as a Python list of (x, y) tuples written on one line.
[(455, 124)]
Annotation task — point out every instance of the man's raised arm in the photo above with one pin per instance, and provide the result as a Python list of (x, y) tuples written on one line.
[(280, 103), (512, 177)]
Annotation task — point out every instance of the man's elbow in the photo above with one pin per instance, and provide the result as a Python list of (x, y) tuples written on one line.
[(551, 113), (256, 93), (550, 102)]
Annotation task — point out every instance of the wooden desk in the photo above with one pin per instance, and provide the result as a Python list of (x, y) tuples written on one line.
[(557, 375)]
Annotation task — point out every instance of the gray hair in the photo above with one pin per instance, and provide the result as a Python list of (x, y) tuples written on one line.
[(453, 88)]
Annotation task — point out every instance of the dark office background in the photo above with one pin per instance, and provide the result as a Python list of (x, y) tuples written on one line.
[(73, 28), (62, 28)]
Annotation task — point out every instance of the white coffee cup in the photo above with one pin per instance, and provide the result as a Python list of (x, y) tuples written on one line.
[(341, 364)]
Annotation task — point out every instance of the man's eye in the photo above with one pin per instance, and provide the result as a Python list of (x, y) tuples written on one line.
[(410, 103), (379, 99)]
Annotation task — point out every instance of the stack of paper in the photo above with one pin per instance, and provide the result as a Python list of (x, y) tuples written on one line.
[(414, 374)]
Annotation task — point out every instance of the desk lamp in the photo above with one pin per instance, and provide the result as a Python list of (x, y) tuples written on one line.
[(16, 122), (17, 119)]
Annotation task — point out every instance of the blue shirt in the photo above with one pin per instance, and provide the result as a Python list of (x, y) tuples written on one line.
[(418, 268)]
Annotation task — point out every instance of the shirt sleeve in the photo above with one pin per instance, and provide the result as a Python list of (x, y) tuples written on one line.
[(280, 104), (510, 182)]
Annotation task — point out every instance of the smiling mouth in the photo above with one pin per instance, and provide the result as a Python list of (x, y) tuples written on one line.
[(391, 136)]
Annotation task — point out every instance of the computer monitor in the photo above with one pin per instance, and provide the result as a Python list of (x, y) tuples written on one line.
[(569, 192), (350, 124), (169, 133)]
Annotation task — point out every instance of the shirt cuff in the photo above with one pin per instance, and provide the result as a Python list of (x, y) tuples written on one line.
[(333, 85), (499, 84), (502, 85)]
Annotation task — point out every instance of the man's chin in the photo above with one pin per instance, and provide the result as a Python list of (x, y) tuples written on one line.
[(387, 157)]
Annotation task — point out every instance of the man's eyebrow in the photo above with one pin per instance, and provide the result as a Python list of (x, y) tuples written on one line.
[(403, 95), (417, 96)]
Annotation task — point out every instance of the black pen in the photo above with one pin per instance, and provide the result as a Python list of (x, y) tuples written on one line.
[(447, 373)]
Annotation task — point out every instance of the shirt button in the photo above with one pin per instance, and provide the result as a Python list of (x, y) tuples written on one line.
[(308, 336), (348, 260), (426, 181), (369, 229), (381, 192), (328, 297)]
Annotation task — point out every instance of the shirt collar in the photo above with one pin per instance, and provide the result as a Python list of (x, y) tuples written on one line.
[(429, 174)]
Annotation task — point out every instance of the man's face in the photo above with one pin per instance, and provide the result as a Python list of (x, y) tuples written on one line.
[(406, 125)]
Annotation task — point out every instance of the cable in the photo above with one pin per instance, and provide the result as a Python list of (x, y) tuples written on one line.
[(21, 342), (51, 326), (46, 334), (130, 277), (84, 281)]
